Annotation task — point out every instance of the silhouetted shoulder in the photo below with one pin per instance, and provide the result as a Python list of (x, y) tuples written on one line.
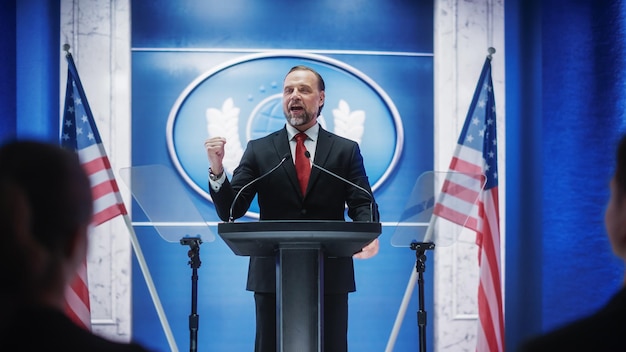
[(45, 329), (603, 331)]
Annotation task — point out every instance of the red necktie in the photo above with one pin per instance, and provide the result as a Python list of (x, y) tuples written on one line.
[(303, 166)]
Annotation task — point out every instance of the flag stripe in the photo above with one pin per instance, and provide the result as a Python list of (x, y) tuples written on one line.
[(77, 306), (106, 201), (456, 217), (91, 152), (106, 214), (95, 166), (105, 188), (491, 253), (460, 206), (94, 158), (459, 191), (467, 160), (486, 323)]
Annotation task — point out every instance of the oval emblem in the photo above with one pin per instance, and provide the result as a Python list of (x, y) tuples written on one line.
[(242, 100)]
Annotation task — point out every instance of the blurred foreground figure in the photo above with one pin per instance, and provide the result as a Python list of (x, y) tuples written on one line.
[(45, 214), (605, 329)]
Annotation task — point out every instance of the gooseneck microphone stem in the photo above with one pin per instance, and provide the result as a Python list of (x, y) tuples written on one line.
[(232, 205), (372, 209)]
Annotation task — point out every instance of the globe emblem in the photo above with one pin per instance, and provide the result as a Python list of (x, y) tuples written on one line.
[(267, 117)]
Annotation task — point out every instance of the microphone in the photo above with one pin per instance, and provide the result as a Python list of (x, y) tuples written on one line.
[(232, 205), (372, 203)]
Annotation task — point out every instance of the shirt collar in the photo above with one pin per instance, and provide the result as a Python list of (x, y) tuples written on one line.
[(312, 132)]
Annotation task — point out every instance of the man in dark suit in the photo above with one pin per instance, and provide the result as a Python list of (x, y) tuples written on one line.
[(281, 197), (605, 329)]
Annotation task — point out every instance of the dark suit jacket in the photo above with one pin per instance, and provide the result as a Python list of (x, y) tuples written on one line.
[(602, 331), (280, 198), (40, 328)]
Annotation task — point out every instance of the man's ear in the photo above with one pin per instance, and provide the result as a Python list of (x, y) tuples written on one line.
[(322, 98)]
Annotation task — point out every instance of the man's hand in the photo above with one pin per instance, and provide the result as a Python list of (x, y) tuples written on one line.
[(368, 251), (215, 151)]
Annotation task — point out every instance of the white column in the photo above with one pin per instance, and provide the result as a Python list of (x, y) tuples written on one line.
[(98, 33), (463, 32)]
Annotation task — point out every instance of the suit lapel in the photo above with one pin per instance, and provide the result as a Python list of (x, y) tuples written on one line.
[(322, 152)]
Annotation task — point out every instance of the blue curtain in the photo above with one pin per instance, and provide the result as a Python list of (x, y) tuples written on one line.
[(36, 65), (564, 117), (7, 69), (583, 113)]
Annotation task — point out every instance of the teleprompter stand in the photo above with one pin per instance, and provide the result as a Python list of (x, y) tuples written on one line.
[(415, 230), (299, 247), (194, 263), (420, 266), (160, 195)]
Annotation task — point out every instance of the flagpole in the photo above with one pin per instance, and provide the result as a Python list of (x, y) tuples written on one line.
[(141, 259), (413, 279), (408, 292), (151, 288)]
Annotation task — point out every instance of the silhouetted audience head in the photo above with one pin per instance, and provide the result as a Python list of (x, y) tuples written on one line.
[(615, 215), (46, 208), (14, 250)]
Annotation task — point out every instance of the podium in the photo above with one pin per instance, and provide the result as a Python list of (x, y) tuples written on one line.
[(299, 247)]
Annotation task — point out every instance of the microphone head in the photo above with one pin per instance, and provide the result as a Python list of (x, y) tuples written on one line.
[(307, 154)]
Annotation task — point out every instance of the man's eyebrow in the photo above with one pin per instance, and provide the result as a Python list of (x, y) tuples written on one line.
[(302, 85)]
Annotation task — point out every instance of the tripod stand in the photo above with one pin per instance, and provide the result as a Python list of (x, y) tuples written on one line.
[(194, 263), (420, 266)]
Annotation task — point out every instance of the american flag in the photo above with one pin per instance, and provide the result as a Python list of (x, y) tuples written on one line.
[(79, 133), (477, 154)]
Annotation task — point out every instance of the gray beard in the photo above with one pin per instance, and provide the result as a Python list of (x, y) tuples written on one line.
[(298, 121)]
